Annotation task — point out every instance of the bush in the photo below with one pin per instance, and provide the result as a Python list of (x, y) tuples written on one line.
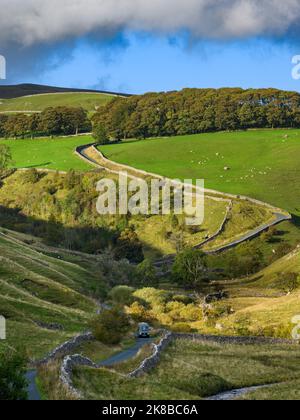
[(183, 299), (139, 313), (122, 295), (31, 177), (288, 282), (110, 326), (129, 247)]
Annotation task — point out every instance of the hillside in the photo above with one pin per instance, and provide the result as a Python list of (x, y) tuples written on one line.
[(41, 286), (263, 313), (17, 91), (37, 103)]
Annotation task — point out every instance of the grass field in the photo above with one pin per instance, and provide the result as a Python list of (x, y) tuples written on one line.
[(263, 164), (49, 153), (194, 370), (88, 101)]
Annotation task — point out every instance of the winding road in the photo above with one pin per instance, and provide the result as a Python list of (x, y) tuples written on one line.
[(123, 356), (32, 389)]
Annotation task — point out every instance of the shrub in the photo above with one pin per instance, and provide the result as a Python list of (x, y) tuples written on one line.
[(110, 326), (288, 282), (139, 313), (122, 295), (31, 177), (183, 299)]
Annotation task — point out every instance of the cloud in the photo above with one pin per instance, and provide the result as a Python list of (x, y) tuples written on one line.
[(30, 22)]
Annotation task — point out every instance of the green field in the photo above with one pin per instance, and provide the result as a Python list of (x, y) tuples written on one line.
[(263, 164), (88, 101), (49, 153)]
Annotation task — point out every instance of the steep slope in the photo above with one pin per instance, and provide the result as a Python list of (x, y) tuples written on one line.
[(260, 305), (43, 293)]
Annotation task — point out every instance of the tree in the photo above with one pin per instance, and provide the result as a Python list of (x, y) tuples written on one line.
[(3, 121), (5, 157), (147, 274), (110, 326), (198, 110), (129, 247), (288, 282), (100, 134), (190, 268), (13, 384)]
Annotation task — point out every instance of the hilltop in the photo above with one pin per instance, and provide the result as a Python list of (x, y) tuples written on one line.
[(27, 89)]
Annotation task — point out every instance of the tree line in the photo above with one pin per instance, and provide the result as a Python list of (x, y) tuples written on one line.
[(193, 111), (51, 122)]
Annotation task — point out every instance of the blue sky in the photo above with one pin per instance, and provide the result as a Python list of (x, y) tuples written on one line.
[(137, 46), (158, 63)]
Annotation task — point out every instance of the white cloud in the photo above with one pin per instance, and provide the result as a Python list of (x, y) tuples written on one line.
[(34, 21)]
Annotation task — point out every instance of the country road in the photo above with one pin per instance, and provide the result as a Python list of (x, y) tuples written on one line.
[(123, 356), (128, 354), (32, 389)]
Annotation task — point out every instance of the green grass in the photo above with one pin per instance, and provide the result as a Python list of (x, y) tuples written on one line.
[(37, 288), (263, 164), (49, 153), (283, 392), (88, 101), (194, 370)]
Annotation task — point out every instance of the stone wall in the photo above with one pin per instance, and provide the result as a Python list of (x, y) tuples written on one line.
[(68, 364), (231, 339), (152, 361), (66, 347)]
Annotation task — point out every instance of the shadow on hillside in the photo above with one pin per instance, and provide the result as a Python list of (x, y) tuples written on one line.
[(87, 239), (40, 165), (296, 220)]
